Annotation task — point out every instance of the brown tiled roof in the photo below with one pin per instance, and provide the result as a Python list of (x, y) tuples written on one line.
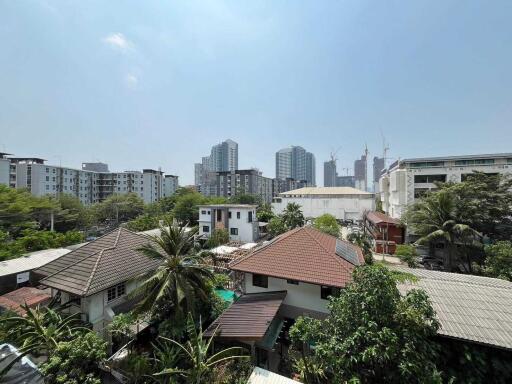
[(304, 254), (31, 296), (249, 317), (379, 217), (100, 264)]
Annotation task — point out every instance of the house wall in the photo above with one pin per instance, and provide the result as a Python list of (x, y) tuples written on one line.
[(305, 296), (341, 207), (247, 232)]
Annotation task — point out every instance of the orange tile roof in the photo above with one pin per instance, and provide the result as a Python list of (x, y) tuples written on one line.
[(304, 254), (31, 296), (379, 217)]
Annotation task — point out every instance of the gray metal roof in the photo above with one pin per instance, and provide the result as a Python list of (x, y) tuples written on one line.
[(460, 157), (262, 376), (473, 308), (31, 261)]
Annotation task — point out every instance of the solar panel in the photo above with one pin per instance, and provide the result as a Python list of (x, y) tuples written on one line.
[(347, 252)]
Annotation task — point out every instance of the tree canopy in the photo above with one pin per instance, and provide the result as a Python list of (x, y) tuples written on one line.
[(327, 223)]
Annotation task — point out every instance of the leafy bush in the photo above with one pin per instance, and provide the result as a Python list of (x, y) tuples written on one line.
[(499, 260), (408, 254), (143, 222), (218, 237), (327, 224)]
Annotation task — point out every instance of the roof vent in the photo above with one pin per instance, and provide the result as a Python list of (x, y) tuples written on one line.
[(347, 252)]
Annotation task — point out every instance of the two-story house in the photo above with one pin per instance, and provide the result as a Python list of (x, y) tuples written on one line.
[(95, 279), (290, 276), (238, 219)]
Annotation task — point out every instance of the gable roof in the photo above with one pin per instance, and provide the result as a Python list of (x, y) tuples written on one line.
[(100, 264), (304, 254), (473, 308), (379, 217)]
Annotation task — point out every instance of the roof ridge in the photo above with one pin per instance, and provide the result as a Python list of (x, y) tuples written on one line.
[(333, 254), (70, 265), (95, 268)]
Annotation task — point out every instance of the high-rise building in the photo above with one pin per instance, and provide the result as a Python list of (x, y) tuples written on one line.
[(295, 163), (378, 167), (95, 167), (345, 181), (5, 167), (198, 173), (242, 181), (170, 185), (360, 173), (330, 173), (223, 157)]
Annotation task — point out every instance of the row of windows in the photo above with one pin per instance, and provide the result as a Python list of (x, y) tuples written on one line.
[(262, 282), (475, 162), (427, 164), (116, 292), (429, 178)]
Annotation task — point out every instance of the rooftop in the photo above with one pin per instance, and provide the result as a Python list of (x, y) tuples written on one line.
[(262, 376), (379, 217), (304, 254), (100, 264), (30, 261), (459, 157), (31, 296), (468, 307), (253, 206), (333, 191)]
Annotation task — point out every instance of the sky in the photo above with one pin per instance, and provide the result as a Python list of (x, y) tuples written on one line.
[(148, 84)]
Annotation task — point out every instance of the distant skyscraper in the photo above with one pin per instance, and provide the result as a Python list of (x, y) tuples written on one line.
[(295, 163), (330, 173), (223, 158), (198, 173), (360, 173), (378, 167)]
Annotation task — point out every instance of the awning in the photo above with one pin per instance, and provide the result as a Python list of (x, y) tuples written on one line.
[(248, 318)]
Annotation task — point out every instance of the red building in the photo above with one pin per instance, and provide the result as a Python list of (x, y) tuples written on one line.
[(386, 232)]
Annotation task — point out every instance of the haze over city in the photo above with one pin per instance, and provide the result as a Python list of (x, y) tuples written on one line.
[(156, 84)]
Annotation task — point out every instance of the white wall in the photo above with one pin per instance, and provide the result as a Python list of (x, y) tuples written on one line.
[(346, 207), (304, 295), (247, 232), (4, 171)]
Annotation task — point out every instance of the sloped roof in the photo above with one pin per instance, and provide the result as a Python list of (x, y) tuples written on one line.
[(102, 263), (262, 376), (249, 317), (24, 295), (473, 308), (379, 217), (30, 261), (304, 254)]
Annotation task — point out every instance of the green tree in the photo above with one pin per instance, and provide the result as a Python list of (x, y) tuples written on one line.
[(408, 254), (245, 198), (118, 209), (327, 223), (276, 226), (196, 351), (363, 241), (434, 219), (218, 237), (76, 361), (292, 216), (181, 279), (186, 209), (143, 222), (378, 205), (373, 334), (39, 331), (264, 213), (498, 262)]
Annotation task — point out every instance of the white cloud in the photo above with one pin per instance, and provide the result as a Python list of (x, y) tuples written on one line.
[(118, 41), (131, 80)]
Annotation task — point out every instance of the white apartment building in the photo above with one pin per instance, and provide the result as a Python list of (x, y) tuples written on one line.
[(170, 185), (5, 166), (88, 186), (341, 202), (238, 219), (406, 180)]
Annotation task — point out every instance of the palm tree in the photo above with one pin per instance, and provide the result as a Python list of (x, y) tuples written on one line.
[(196, 352), (434, 218), (39, 331), (292, 216), (180, 279)]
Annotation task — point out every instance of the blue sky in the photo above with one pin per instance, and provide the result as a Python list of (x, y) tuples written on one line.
[(143, 84)]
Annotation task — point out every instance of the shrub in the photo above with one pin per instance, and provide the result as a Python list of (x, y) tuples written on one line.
[(408, 254)]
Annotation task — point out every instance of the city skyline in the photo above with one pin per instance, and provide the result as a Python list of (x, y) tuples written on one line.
[(153, 84)]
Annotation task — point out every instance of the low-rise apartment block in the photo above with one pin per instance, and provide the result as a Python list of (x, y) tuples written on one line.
[(238, 219), (406, 180)]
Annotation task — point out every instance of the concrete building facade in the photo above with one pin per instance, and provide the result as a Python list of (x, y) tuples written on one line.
[(406, 180), (238, 219), (242, 181), (296, 163)]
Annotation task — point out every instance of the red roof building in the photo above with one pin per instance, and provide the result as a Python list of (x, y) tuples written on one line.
[(386, 231), (33, 297)]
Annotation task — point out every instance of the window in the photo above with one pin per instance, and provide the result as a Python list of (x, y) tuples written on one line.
[(121, 290), (475, 162), (206, 228), (229, 215), (293, 282), (203, 212), (219, 215), (47, 178), (250, 217), (427, 164), (325, 292), (234, 231), (238, 215), (259, 280), (116, 292), (429, 178)]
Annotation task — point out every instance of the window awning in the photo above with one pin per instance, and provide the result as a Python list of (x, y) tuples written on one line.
[(248, 318)]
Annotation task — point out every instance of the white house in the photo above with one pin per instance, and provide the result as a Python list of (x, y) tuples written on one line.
[(406, 180), (341, 202), (96, 278), (238, 219)]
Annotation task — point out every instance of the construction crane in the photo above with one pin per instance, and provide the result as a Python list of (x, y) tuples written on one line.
[(333, 155), (385, 148)]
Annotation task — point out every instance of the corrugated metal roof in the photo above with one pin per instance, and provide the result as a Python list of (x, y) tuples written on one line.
[(312, 191), (102, 263), (304, 254), (473, 308), (31, 261), (262, 376), (249, 317)]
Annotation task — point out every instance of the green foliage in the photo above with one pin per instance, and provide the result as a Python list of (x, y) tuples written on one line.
[(121, 324), (378, 205), (118, 209), (498, 262), (143, 222), (220, 280), (373, 334), (276, 226), (327, 223), (264, 213), (292, 216), (196, 351), (137, 367), (218, 237), (408, 254), (76, 361), (245, 198), (363, 241), (186, 209), (72, 214)]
